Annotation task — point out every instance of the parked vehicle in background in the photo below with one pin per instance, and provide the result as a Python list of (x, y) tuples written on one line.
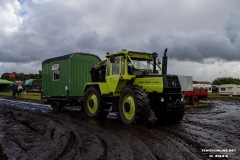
[(196, 92), (193, 97), (33, 85), (229, 89), (205, 85), (215, 88)]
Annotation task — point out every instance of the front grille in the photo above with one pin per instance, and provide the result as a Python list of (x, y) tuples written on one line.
[(172, 84)]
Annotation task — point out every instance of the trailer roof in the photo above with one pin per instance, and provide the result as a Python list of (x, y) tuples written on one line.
[(68, 56)]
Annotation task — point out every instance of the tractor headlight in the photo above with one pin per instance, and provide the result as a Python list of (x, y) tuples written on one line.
[(182, 99), (162, 99)]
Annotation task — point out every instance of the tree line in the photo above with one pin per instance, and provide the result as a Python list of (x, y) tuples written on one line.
[(21, 76), (226, 80)]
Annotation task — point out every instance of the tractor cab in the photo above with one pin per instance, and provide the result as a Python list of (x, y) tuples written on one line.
[(131, 63)]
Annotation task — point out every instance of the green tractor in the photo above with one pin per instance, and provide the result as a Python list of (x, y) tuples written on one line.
[(132, 83)]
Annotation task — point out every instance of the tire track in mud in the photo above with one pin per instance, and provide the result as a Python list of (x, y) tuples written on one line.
[(181, 144), (41, 134), (114, 146), (107, 141), (166, 144), (60, 139), (83, 148)]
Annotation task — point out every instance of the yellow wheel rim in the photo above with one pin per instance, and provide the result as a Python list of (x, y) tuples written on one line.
[(92, 108), (128, 107)]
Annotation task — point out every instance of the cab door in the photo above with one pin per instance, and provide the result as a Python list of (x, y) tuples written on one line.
[(113, 73)]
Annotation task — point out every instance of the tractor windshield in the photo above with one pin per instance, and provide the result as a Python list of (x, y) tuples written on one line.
[(143, 64), (141, 67)]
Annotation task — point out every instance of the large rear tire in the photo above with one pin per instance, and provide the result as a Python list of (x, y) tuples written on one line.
[(92, 102), (133, 105)]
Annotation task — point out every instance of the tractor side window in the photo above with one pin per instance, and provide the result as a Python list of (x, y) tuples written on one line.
[(115, 66), (123, 65), (55, 71)]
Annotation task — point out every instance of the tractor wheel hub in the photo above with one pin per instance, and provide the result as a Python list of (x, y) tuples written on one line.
[(127, 106), (91, 103)]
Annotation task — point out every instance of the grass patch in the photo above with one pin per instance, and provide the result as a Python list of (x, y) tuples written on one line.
[(27, 95), (216, 95)]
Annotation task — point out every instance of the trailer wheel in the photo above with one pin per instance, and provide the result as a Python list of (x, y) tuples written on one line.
[(195, 100), (133, 105), (56, 106), (92, 102)]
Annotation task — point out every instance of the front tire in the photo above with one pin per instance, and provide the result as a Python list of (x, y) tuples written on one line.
[(133, 105), (92, 102)]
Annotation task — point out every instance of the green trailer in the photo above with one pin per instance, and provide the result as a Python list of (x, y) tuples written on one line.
[(64, 78), (33, 85)]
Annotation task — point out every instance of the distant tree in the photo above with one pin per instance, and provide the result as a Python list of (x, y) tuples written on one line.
[(226, 80), (21, 76), (39, 74), (5, 76)]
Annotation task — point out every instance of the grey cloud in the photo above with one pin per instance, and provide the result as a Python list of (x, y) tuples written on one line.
[(54, 29), (196, 46), (89, 41), (233, 26)]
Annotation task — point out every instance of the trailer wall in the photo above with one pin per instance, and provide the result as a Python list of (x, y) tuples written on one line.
[(65, 76)]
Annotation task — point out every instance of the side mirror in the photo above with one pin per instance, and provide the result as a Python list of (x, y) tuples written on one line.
[(112, 59)]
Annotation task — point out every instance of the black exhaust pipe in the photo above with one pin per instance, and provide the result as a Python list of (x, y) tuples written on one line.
[(164, 63), (154, 56)]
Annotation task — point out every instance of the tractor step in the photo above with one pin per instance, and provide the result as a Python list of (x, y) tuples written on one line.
[(113, 115), (108, 109)]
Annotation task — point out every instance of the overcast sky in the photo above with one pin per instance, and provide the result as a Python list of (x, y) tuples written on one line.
[(202, 36)]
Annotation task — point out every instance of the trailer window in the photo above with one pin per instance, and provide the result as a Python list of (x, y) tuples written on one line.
[(56, 75), (55, 71)]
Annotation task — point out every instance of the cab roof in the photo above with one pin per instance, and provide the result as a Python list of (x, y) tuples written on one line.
[(132, 54)]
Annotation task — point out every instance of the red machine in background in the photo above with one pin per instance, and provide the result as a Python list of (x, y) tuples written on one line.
[(192, 97), (193, 91)]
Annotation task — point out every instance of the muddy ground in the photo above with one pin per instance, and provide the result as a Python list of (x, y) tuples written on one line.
[(30, 130)]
